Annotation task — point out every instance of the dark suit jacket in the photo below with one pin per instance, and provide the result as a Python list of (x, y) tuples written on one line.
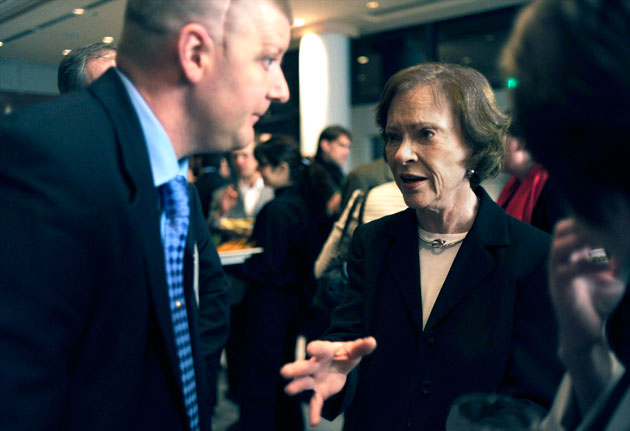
[(86, 340), (491, 329), (207, 184)]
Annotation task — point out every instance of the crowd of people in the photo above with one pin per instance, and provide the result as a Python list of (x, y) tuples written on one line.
[(442, 308)]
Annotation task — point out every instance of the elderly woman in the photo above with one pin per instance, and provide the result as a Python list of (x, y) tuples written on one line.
[(453, 289)]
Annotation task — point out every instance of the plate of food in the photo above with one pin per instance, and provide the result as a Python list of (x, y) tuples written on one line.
[(236, 251), (239, 226)]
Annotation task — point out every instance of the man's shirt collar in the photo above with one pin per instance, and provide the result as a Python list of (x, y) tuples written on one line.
[(164, 163)]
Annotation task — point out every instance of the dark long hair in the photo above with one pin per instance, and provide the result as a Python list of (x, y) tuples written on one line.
[(278, 149)]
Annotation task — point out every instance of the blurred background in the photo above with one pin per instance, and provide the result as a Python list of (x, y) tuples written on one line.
[(341, 54)]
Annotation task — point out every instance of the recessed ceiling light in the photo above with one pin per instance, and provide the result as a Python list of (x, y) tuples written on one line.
[(78, 11), (1, 43), (108, 39), (66, 51), (372, 4), (363, 60), (298, 22)]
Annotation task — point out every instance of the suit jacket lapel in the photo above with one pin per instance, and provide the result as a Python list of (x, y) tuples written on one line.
[(473, 262), (403, 261), (144, 198)]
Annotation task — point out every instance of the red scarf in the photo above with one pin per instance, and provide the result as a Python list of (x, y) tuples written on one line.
[(518, 198)]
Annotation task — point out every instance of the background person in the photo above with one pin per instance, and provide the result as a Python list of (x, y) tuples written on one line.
[(572, 101), (333, 149), (528, 195), (364, 177), (211, 173), (452, 289), (94, 211), (277, 280), (241, 202), (84, 65), (250, 194), (331, 265)]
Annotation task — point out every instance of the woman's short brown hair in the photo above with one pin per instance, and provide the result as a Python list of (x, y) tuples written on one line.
[(483, 124)]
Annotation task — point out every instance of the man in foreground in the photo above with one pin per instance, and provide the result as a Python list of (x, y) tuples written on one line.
[(98, 316)]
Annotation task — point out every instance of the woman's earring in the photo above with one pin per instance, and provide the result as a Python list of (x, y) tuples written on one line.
[(470, 172)]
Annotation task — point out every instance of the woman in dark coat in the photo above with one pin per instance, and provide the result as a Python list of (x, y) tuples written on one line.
[(278, 281), (452, 289)]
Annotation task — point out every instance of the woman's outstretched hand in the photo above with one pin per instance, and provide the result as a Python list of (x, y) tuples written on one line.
[(326, 371)]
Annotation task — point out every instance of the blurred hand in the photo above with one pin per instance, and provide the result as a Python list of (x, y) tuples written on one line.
[(584, 292), (326, 371), (228, 200)]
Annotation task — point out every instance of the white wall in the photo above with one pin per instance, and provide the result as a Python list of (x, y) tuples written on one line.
[(324, 65), (363, 129)]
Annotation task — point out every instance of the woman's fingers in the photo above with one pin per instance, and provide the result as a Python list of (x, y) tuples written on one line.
[(362, 347), (300, 368), (300, 384), (322, 349), (317, 401)]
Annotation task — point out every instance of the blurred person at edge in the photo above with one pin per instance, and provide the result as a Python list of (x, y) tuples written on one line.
[(90, 328), (569, 60), (453, 289)]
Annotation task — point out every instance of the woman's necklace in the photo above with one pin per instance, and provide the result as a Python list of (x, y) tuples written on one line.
[(438, 242)]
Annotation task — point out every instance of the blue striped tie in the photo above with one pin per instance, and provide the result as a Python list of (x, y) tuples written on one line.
[(175, 203)]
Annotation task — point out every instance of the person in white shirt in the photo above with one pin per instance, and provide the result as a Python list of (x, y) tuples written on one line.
[(250, 194)]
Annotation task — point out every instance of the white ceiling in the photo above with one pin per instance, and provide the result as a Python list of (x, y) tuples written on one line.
[(40, 33)]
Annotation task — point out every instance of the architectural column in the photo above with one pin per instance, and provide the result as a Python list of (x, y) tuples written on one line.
[(324, 67)]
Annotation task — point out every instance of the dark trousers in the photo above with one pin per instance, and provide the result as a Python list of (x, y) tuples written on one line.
[(235, 350), (273, 319)]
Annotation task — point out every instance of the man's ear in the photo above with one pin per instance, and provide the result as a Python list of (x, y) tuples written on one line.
[(195, 48)]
